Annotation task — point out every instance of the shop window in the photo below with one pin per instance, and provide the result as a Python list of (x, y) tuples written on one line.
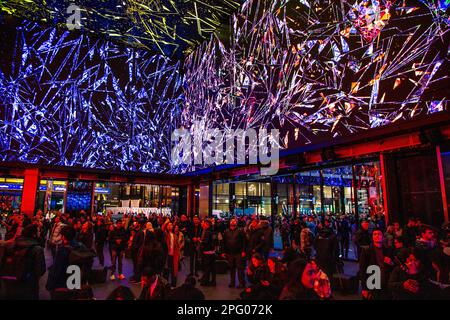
[(308, 192), (368, 188), (10, 194), (337, 190), (52, 195), (221, 197)]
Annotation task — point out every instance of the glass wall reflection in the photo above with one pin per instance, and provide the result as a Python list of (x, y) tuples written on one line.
[(348, 189)]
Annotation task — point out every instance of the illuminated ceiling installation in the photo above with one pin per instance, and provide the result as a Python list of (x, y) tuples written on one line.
[(170, 27), (75, 101), (317, 70)]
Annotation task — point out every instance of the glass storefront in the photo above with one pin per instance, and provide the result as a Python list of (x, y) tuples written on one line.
[(76, 196), (335, 190), (242, 198), (307, 192), (10, 194), (51, 195), (118, 197)]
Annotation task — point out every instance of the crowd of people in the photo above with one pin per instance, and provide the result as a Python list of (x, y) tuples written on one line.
[(413, 260)]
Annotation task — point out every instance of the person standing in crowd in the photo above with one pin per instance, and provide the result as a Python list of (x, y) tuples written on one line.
[(408, 281), (154, 287), (101, 234), (136, 244), (255, 238), (86, 236), (426, 246), (13, 227), (327, 253), (118, 243), (389, 236), (277, 275), (267, 234), (410, 232), (285, 232), (121, 293), (173, 251), (305, 283), (362, 237), (179, 236), (399, 251), (306, 241), (375, 255), (55, 235), (27, 264), (343, 229), (152, 254), (234, 248), (194, 234), (207, 250), (187, 291), (398, 232), (295, 229), (57, 274), (257, 269)]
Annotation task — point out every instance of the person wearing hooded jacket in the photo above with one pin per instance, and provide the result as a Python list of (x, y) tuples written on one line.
[(267, 234), (327, 252), (27, 288), (255, 239)]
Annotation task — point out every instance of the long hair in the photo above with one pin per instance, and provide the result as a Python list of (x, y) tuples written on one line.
[(295, 272)]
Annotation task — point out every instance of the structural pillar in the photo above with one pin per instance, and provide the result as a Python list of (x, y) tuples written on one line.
[(442, 183), (30, 187), (384, 187)]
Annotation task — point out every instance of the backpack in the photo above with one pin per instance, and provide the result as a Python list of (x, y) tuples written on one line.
[(84, 258), (15, 263)]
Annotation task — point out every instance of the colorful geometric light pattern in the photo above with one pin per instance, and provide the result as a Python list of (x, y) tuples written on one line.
[(70, 100), (171, 27), (317, 70), (313, 69)]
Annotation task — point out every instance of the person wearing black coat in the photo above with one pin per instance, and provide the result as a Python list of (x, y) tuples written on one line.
[(101, 234), (34, 268), (267, 233), (302, 275), (155, 287), (255, 236), (152, 254), (194, 235), (343, 231), (136, 245), (207, 249), (410, 233), (118, 242), (327, 252), (57, 276), (362, 237), (408, 281), (86, 236), (375, 255), (234, 242), (187, 291)]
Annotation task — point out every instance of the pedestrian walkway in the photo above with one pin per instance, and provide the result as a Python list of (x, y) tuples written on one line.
[(220, 292)]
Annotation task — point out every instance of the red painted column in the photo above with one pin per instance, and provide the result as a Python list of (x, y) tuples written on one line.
[(442, 182), (30, 185), (384, 187)]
